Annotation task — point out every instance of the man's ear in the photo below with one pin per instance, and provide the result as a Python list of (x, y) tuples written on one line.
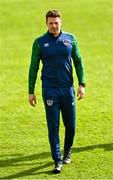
[(61, 22)]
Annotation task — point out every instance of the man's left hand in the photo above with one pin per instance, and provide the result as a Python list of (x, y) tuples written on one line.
[(81, 92)]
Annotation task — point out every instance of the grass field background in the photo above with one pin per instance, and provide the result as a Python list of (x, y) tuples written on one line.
[(24, 147)]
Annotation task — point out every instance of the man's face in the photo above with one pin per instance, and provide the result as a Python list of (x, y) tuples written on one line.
[(54, 25)]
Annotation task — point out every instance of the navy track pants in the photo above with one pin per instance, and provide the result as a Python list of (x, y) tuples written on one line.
[(58, 100)]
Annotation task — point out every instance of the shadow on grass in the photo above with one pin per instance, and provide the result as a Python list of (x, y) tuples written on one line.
[(26, 160), (29, 172), (13, 161), (106, 147), (39, 165)]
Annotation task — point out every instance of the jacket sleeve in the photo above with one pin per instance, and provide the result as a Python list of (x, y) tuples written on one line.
[(34, 66), (77, 60)]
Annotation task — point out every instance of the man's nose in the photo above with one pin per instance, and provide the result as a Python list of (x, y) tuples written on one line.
[(54, 25)]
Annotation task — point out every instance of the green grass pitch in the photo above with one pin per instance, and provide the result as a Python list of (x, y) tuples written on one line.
[(24, 146)]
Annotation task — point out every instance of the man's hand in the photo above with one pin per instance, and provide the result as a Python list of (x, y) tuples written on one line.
[(81, 92), (32, 99)]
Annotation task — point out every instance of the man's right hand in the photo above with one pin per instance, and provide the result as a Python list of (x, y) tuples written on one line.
[(32, 99)]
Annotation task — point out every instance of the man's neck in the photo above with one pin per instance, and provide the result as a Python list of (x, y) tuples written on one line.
[(56, 35)]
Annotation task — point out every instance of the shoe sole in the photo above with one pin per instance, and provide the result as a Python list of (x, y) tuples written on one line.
[(66, 162), (56, 171)]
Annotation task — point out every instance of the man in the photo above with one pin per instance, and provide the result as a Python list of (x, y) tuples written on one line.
[(56, 49)]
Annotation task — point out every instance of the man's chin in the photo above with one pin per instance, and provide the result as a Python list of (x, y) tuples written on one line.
[(55, 32)]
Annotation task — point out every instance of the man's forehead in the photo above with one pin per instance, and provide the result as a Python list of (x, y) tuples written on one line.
[(53, 19)]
